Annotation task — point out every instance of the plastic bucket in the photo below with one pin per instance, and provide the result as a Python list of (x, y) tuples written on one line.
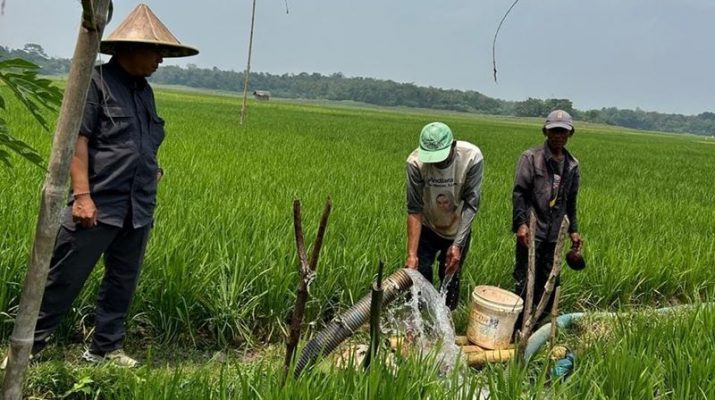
[(492, 316)]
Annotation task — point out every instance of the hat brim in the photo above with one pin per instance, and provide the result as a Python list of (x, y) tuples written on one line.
[(435, 156), (165, 49), (558, 125)]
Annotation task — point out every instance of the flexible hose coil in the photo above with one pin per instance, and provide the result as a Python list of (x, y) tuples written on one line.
[(347, 323)]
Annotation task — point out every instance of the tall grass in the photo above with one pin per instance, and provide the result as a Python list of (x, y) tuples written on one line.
[(221, 266)]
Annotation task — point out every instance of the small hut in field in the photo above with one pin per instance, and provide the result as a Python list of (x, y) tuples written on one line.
[(262, 95)]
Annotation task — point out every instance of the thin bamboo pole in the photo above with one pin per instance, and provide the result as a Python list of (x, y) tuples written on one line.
[(53, 192), (550, 283), (248, 64), (522, 335), (530, 277)]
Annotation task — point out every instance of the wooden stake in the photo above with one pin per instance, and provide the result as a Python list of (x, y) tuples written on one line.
[(375, 308), (306, 273), (53, 195), (554, 314), (550, 283), (521, 336), (530, 277)]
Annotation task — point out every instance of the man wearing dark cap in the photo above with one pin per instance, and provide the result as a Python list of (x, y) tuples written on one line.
[(114, 175), (444, 180), (547, 183)]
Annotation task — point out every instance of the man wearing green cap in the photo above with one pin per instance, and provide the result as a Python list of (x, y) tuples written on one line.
[(444, 180)]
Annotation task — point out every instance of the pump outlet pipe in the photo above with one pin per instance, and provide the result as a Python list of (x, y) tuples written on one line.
[(348, 322)]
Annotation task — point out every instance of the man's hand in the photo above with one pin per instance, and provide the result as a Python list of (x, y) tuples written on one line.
[(84, 212), (576, 241), (522, 235), (411, 262), (454, 256)]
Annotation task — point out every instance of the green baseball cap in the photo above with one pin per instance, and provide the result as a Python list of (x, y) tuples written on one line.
[(435, 142)]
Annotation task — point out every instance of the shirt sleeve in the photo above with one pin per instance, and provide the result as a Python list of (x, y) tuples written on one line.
[(90, 117), (471, 196), (571, 202), (415, 188), (523, 185)]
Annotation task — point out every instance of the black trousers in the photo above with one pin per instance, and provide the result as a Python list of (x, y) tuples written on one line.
[(544, 262), (433, 246), (75, 255)]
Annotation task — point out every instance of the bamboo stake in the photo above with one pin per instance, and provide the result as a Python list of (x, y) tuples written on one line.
[(53, 192), (479, 359), (554, 313), (248, 64), (522, 335), (306, 272), (551, 282), (397, 341), (531, 271), (375, 307), (470, 348)]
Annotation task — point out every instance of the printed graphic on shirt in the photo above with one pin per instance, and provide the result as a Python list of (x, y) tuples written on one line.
[(440, 182), (445, 215)]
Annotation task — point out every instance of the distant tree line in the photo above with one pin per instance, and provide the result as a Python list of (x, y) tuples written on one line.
[(389, 93)]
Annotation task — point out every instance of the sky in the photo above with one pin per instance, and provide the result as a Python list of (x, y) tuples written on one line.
[(656, 55)]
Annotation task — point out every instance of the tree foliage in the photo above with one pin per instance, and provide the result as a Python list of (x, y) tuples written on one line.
[(35, 94), (389, 93)]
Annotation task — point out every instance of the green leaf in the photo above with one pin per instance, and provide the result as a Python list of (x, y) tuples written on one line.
[(18, 146), (5, 158), (33, 92)]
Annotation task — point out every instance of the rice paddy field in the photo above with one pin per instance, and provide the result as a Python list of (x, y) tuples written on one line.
[(219, 278)]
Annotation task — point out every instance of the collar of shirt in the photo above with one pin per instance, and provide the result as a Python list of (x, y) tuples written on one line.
[(548, 155)]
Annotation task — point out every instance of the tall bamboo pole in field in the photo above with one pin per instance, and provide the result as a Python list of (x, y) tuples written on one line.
[(53, 193), (248, 64)]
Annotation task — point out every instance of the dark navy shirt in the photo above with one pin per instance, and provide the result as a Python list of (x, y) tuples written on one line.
[(124, 133)]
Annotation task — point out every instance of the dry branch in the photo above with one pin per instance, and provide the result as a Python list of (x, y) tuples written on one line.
[(550, 283), (306, 272), (528, 303)]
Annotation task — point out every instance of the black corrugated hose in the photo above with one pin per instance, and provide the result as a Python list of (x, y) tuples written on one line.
[(346, 324)]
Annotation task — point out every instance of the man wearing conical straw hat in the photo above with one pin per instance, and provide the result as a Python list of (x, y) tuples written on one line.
[(114, 175)]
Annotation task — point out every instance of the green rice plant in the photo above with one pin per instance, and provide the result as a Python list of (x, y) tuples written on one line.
[(221, 268), (649, 355)]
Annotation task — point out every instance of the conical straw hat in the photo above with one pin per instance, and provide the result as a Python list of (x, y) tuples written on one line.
[(143, 26)]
